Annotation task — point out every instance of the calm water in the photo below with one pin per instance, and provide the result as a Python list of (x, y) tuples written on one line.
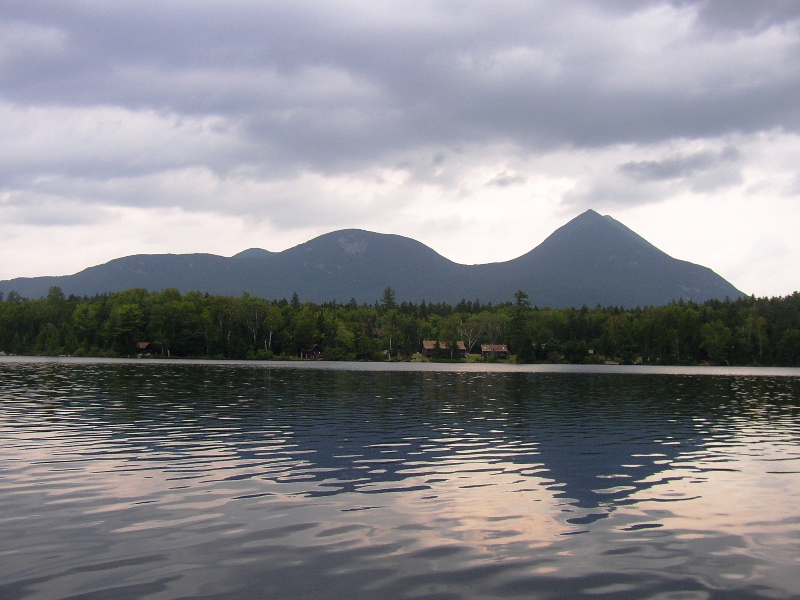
[(183, 480)]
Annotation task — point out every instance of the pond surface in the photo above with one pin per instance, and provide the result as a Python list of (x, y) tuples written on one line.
[(144, 479)]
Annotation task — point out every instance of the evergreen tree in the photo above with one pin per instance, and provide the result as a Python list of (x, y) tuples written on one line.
[(388, 301)]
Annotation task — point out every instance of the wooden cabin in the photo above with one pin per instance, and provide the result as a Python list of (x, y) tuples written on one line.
[(428, 346), (313, 353), (498, 350)]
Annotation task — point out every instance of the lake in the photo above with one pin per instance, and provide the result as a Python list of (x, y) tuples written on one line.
[(187, 479)]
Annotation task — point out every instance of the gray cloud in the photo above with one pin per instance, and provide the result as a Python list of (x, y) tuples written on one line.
[(723, 15), (609, 192), (29, 209), (636, 183), (793, 189), (745, 14), (335, 87), (505, 180), (678, 167)]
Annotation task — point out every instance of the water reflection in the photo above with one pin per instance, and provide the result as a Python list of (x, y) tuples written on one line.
[(229, 481)]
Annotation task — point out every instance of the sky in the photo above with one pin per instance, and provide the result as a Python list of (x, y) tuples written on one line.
[(477, 128)]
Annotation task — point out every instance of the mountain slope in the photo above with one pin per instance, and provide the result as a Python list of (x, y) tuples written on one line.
[(590, 260), (360, 264), (596, 260)]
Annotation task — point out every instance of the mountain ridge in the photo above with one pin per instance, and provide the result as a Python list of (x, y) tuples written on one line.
[(590, 260)]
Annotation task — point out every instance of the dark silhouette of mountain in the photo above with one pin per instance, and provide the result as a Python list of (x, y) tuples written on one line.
[(253, 253), (589, 261), (596, 260)]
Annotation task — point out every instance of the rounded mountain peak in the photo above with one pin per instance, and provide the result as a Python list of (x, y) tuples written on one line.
[(358, 245), (253, 253)]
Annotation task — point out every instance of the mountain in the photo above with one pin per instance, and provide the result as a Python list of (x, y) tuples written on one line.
[(594, 259), (591, 260)]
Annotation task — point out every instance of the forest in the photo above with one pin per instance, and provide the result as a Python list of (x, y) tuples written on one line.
[(745, 331)]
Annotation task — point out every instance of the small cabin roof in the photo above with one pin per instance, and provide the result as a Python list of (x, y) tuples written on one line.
[(431, 344), (494, 347)]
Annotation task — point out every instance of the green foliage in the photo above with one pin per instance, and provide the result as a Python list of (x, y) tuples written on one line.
[(750, 331), (519, 336), (716, 340), (388, 301), (438, 353)]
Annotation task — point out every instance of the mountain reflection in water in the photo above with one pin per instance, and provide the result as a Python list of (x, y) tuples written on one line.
[(184, 480)]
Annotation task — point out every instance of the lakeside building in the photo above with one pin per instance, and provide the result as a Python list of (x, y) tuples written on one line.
[(498, 350), (428, 346)]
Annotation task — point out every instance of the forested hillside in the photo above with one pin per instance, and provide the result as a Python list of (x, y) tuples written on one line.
[(748, 331)]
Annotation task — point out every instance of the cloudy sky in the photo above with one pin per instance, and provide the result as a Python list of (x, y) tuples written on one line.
[(475, 127)]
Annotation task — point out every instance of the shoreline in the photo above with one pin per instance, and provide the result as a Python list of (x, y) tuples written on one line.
[(419, 366)]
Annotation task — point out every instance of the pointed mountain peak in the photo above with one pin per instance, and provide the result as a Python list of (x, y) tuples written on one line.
[(592, 216), (591, 229)]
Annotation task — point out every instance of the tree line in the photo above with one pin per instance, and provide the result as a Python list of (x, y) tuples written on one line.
[(746, 331)]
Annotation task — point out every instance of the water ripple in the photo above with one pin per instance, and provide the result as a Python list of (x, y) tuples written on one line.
[(177, 480)]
